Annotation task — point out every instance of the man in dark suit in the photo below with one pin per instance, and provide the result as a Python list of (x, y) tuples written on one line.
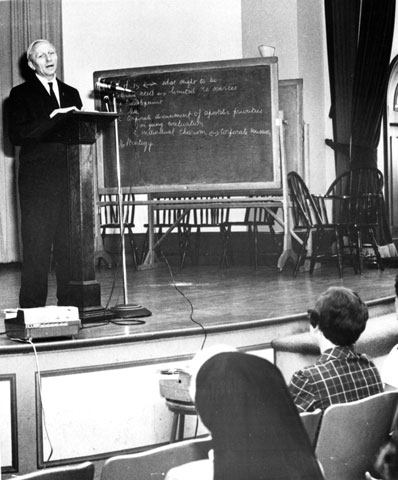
[(43, 175)]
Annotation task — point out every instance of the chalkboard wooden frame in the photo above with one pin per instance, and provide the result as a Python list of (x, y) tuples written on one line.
[(205, 171), (291, 103)]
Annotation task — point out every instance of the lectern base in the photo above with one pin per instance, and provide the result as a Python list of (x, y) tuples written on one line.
[(86, 295)]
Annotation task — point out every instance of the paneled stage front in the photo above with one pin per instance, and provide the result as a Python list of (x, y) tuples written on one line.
[(98, 394)]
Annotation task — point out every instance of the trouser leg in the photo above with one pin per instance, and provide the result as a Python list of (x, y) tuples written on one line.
[(61, 254), (39, 220)]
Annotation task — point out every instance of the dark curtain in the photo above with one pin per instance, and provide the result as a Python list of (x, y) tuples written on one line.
[(342, 19), (370, 80), (359, 38)]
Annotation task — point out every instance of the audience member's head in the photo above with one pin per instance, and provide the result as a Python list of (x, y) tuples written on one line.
[(340, 315), (200, 358), (256, 429)]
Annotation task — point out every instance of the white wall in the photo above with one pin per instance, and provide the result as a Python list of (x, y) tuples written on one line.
[(313, 68), (296, 28), (272, 22), (111, 34)]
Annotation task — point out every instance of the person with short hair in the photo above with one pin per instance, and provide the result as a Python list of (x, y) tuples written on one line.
[(43, 175), (340, 375)]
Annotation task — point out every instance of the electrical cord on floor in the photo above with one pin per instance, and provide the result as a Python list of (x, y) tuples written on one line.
[(191, 318), (106, 309), (187, 299)]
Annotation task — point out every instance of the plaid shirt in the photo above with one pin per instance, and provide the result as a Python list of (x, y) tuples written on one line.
[(339, 376)]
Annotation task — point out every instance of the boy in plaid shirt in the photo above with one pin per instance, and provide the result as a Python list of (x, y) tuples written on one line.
[(340, 375)]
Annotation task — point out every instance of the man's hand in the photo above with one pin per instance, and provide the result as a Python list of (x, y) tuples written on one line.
[(62, 110)]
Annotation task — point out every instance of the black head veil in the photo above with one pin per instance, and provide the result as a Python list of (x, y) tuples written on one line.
[(256, 429)]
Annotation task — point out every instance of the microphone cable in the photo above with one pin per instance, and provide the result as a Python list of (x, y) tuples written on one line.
[(187, 300)]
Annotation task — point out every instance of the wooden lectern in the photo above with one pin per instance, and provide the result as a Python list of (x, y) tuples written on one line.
[(80, 133)]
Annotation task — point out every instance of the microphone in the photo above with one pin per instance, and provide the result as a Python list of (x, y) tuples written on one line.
[(99, 85), (105, 98)]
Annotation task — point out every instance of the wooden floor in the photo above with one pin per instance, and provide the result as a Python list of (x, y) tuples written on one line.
[(213, 296)]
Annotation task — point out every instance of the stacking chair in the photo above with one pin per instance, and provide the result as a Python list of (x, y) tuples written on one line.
[(254, 218), (312, 422), (109, 218), (358, 201), (155, 463), (81, 471), (352, 433), (312, 221)]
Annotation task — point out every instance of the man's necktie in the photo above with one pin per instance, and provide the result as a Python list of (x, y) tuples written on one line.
[(54, 100)]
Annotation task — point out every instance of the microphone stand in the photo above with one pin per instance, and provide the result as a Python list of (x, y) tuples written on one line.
[(125, 310)]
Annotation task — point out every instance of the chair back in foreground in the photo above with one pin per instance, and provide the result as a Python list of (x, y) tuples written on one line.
[(312, 422), (155, 463), (352, 433), (81, 471)]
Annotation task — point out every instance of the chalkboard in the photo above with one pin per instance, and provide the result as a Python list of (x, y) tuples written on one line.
[(194, 127)]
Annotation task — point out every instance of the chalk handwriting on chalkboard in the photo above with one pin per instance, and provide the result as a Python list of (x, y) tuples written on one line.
[(196, 127)]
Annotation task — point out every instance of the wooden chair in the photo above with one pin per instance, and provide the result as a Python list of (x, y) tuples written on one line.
[(310, 220), (199, 219), (164, 220), (187, 222), (312, 422), (82, 471), (356, 181), (358, 201), (352, 433), (109, 218), (363, 224), (155, 463), (254, 218)]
